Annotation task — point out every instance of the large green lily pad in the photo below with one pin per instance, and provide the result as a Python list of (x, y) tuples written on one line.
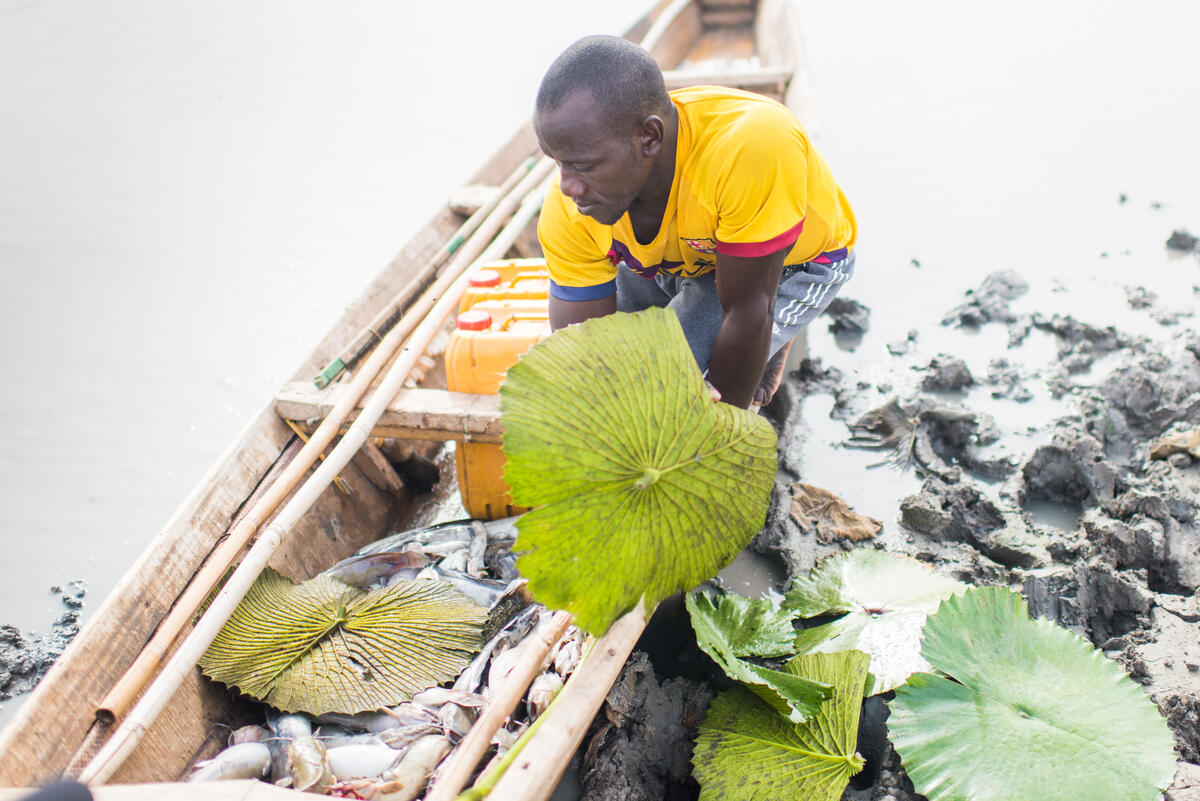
[(1030, 711), (642, 485), (324, 646), (746, 751), (884, 600)]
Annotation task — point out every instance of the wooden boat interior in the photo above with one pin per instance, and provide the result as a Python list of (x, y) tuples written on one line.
[(735, 42)]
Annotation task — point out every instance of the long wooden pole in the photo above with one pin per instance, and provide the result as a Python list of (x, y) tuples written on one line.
[(134, 727), (462, 763), (536, 771)]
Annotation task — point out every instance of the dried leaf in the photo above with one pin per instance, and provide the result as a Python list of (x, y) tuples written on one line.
[(820, 509), (1181, 442)]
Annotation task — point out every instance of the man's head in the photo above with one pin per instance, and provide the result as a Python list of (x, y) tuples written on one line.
[(602, 112)]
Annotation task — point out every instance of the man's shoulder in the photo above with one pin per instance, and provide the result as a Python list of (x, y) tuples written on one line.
[(694, 100)]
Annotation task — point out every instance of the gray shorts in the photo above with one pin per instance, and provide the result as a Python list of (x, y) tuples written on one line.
[(804, 292)]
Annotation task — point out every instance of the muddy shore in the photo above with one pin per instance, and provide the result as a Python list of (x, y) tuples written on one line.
[(25, 656), (1053, 456)]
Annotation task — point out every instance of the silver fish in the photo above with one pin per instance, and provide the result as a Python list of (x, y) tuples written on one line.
[(408, 777), (455, 562), (542, 692), (363, 761), (285, 727), (249, 734), (456, 720), (308, 764), (364, 721), (364, 571), (566, 655), (477, 551), (335, 737), (409, 713), (436, 697), (484, 592), (402, 737), (241, 761), (513, 632), (452, 531)]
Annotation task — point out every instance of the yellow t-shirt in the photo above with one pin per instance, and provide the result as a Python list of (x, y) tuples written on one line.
[(747, 182)]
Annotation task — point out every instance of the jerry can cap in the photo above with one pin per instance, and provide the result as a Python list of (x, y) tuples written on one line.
[(474, 320), (484, 278)]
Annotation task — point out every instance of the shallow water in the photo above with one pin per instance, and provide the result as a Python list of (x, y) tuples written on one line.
[(191, 193)]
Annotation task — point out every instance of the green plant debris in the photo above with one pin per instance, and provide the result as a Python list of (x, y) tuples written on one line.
[(721, 633), (746, 751), (886, 599), (1030, 711), (641, 484), (324, 646)]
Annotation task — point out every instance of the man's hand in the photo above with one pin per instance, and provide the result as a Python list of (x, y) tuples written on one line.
[(746, 286)]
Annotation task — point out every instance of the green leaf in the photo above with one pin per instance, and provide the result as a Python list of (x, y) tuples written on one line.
[(750, 627), (324, 646), (1031, 712), (719, 634), (886, 599), (643, 485), (745, 751)]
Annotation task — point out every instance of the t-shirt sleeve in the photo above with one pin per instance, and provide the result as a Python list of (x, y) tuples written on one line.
[(576, 259), (762, 198)]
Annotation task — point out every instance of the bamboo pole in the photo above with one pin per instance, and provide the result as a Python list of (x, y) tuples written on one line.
[(535, 773), (393, 312), (135, 726), (465, 759)]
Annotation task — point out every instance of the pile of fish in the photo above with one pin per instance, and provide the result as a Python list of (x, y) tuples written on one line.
[(393, 754)]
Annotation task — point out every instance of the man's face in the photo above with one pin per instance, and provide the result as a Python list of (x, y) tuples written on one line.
[(601, 169)]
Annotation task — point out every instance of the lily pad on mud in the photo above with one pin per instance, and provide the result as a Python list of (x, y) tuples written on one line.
[(885, 599), (1029, 710), (731, 627), (641, 484), (746, 751), (324, 646)]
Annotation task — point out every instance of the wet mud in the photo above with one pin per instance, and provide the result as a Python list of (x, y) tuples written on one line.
[(1071, 477), (1118, 561), (25, 657)]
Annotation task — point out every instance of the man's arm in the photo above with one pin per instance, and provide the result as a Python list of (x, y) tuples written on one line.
[(567, 312), (746, 286)]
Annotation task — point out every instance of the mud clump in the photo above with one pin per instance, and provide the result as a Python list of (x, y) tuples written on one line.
[(640, 745), (989, 303), (851, 320), (947, 374), (24, 659), (1182, 240)]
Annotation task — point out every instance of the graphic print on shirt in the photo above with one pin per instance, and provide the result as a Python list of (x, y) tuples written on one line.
[(619, 252), (701, 244)]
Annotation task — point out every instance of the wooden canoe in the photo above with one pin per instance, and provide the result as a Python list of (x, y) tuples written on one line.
[(733, 42)]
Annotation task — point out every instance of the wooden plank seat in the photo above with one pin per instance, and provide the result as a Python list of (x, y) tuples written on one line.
[(764, 80), (420, 414)]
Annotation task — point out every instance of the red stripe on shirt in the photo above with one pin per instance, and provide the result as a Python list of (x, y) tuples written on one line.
[(784, 240)]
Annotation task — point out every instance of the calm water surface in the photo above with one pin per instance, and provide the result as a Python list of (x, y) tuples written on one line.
[(191, 193)]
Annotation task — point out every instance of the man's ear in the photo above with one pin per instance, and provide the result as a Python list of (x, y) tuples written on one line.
[(649, 136)]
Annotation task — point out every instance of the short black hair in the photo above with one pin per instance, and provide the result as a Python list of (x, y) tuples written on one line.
[(622, 78)]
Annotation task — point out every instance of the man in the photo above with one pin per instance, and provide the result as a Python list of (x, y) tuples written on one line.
[(707, 200)]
